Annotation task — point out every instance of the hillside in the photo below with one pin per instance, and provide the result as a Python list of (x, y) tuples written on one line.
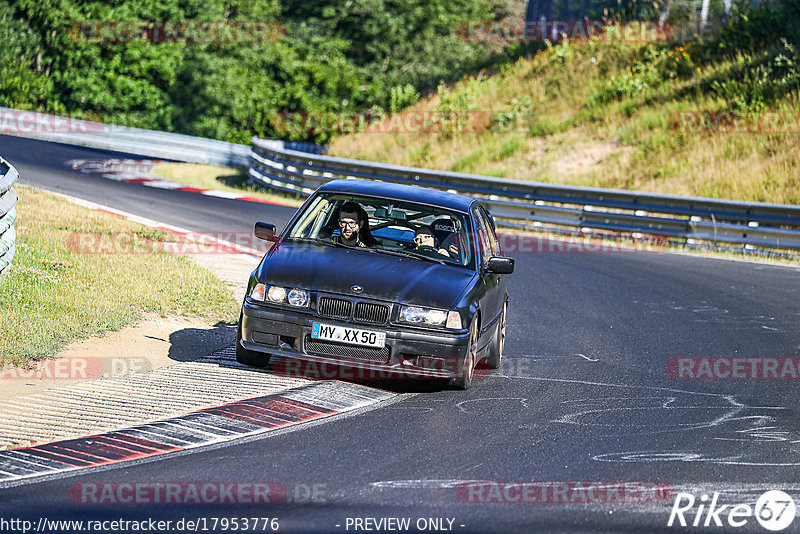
[(646, 116)]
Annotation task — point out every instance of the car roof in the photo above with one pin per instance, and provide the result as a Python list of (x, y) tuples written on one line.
[(411, 193)]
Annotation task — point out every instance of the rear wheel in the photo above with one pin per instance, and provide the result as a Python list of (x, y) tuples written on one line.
[(249, 357), (464, 378), (496, 349)]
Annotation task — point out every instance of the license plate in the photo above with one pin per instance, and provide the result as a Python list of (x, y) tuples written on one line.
[(352, 336)]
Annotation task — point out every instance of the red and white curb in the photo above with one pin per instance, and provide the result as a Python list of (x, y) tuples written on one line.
[(207, 239), (197, 429), (140, 171)]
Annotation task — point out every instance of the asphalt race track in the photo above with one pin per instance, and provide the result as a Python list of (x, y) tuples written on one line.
[(43, 165), (584, 395)]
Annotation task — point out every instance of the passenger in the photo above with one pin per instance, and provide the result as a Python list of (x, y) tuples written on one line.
[(423, 237)]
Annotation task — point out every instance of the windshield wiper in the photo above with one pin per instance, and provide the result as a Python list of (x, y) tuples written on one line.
[(321, 241), (343, 245), (408, 254), (402, 253)]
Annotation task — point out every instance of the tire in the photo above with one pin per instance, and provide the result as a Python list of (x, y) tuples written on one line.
[(496, 349), (464, 379), (247, 357)]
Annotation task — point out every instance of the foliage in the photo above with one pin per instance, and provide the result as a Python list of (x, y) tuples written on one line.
[(402, 97), (332, 55), (354, 55), (20, 86), (515, 114), (763, 83)]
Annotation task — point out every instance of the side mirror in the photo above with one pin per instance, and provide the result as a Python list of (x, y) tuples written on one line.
[(266, 231), (498, 265)]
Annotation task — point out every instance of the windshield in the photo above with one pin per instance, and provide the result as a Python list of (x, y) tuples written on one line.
[(388, 226)]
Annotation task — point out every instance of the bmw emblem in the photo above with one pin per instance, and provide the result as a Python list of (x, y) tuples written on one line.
[(357, 289)]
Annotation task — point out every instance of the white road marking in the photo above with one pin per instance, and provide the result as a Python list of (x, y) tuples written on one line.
[(198, 237)]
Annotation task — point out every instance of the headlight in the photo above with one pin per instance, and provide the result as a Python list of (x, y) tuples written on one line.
[(298, 298), (276, 294), (430, 317)]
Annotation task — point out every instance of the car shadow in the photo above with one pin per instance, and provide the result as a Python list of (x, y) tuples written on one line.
[(291, 368), (190, 344)]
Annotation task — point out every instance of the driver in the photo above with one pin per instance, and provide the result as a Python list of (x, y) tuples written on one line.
[(351, 224), (423, 237)]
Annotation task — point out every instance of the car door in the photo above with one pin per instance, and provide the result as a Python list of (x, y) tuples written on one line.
[(494, 284)]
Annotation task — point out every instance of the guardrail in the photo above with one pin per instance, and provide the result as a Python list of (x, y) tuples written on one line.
[(516, 203), (136, 141), (8, 214)]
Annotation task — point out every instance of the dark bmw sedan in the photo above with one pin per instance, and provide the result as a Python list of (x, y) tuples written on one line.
[(391, 280)]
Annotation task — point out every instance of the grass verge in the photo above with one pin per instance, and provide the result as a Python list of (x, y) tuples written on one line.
[(55, 294), (220, 178)]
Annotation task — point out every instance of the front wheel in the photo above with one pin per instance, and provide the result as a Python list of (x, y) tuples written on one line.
[(247, 357), (464, 378)]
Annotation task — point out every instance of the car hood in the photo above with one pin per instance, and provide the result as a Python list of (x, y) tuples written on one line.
[(382, 276)]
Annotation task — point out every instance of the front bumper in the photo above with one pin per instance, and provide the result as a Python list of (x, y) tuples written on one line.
[(411, 353)]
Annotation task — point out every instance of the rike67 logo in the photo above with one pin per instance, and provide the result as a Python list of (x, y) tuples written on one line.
[(774, 510)]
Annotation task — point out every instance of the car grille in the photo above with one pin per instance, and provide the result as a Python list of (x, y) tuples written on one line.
[(334, 308), (371, 313), (324, 348), (365, 312)]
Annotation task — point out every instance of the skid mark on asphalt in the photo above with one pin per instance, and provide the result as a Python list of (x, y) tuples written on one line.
[(201, 428), (757, 435), (703, 312), (463, 406)]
